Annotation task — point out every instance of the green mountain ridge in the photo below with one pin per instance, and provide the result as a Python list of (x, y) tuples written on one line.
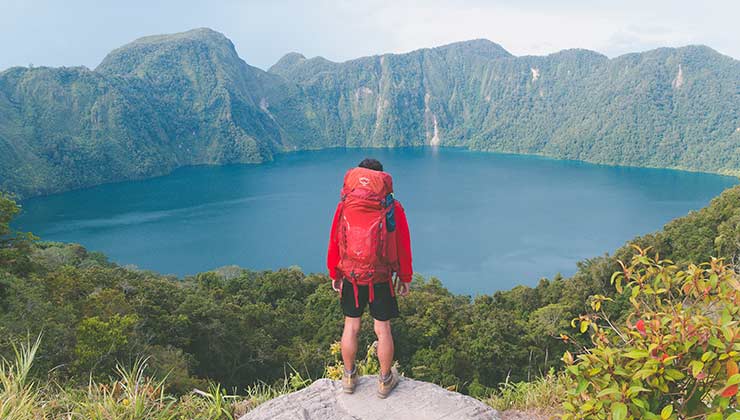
[(167, 101)]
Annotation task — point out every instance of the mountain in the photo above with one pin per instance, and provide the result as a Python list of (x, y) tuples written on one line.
[(676, 108), (151, 106), (167, 101), (209, 97)]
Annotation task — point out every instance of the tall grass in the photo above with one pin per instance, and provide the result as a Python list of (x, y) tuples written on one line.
[(544, 394), (18, 397), (134, 395)]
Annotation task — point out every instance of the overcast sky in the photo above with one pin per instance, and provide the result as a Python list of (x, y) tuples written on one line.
[(81, 32)]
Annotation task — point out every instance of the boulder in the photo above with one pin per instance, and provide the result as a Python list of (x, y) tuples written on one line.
[(324, 400)]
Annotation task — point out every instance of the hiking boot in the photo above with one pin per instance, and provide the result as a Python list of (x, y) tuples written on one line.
[(349, 380), (385, 387)]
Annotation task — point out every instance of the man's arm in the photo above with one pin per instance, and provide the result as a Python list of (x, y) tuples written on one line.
[(403, 245), (332, 257)]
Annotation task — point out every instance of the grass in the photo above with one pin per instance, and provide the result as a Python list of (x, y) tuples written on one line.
[(544, 394), (133, 396), (18, 397)]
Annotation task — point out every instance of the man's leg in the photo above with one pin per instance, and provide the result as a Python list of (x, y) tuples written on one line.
[(349, 341), (385, 346)]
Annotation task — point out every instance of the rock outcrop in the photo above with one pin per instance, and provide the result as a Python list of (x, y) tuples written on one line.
[(324, 400)]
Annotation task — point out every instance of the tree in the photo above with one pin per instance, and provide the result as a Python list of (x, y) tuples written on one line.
[(14, 246)]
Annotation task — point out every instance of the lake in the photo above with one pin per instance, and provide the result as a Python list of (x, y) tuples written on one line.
[(480, 222)]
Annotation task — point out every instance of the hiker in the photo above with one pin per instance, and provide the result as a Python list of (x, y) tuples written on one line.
[(369, 244)]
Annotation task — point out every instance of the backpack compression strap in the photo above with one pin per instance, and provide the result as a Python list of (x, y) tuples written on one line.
[(370, 291)]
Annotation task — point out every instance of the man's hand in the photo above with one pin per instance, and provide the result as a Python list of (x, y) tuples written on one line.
[(337, 285), (403, 288)]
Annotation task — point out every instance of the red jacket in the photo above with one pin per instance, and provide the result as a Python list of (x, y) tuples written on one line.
[(403, 243)]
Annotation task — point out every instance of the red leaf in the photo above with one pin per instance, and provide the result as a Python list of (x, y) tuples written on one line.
[(641, 327), (729, 391)]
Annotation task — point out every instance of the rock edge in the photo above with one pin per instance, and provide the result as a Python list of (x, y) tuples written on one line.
[(411, 400)]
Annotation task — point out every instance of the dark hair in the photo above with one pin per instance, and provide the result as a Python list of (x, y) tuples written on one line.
[(373, 164)]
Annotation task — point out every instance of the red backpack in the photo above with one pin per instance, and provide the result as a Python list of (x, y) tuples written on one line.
[(367, 240)]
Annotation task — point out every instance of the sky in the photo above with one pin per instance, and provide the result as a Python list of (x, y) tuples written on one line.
[(82, 32)]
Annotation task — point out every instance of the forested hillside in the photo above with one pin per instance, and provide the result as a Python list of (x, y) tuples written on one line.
[(166, 101), (236, 326)]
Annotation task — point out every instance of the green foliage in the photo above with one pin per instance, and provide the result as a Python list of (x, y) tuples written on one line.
[(100, 343), (14, 246), (166, 101), (366, 366), (711, 231), (676, 355)]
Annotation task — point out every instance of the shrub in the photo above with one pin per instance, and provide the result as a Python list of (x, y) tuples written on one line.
[(676, 354), (367, 366)]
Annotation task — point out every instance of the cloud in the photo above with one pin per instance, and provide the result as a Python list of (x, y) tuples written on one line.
[(82, 31), (542, 27), (636, 38)]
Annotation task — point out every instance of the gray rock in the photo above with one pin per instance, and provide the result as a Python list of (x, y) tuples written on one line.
[(324, 400)]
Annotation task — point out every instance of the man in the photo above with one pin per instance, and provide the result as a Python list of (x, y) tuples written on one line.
[(369, 244)]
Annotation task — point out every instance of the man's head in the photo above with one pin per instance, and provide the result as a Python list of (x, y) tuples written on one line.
[(373, 164)]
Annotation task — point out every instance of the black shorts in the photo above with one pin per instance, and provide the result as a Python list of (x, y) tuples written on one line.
[(383, 307)]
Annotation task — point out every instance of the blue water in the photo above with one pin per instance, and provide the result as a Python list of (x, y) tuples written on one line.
[(480, 222)]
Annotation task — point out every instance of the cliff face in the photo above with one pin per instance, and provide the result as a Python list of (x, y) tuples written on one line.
[(411, 400), (167, 101)]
